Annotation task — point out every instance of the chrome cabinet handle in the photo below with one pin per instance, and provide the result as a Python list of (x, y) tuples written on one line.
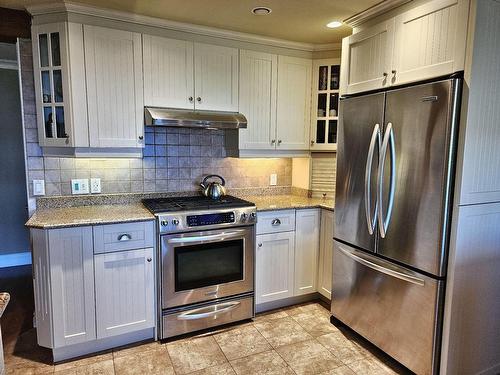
[(279, 141), (198, 99), (276, 222), (393, 72), (312, 143), (368, 177), (398, 273), (273, 141), (260, 245), (385, 74), (190, 99), (205, 312), (383, 222), (149, 259), (141, 137), (124, 237)]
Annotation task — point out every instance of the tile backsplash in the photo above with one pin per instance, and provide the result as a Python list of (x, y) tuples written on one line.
[(175, 160)]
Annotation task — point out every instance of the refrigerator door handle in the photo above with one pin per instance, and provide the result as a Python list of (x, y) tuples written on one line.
[(383, 222), (394, 271), (368, 177)]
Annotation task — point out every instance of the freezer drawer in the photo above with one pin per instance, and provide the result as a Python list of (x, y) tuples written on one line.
[(392, 307)]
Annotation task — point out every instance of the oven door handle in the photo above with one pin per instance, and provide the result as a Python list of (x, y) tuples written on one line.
[(209, 237), (208, 311)]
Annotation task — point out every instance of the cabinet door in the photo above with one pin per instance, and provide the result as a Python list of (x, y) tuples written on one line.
[(293, 103), (274, 266), (216, 77), (306, 250), (325, 254), (113, 64), (72, 285), (367, 59), (430, 41), (258, 75), (168, 72), (124, 285)]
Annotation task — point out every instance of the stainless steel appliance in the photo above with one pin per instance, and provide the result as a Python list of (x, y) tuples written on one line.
[(395, 168), (206, 262)]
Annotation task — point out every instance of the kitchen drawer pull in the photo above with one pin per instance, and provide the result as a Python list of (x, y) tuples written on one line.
[(124, 237), (149, 259), (206, 312), (276, 222)]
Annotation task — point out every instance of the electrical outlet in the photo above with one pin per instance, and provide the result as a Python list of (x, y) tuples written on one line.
[(38, 187), (273, 180), (95, 185), (80, 186)]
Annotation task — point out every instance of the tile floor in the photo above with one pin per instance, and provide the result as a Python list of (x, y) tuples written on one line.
[(294, 340)]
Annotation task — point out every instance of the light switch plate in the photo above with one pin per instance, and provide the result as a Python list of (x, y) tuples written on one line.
[(273, 180), (80, 186), (38, 187), (95, 185)]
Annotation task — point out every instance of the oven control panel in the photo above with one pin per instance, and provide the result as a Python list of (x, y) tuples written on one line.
[(185, 221)]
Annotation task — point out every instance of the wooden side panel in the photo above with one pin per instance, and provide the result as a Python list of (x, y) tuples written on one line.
[(72, 285), (113, 61), (479, 150), (293, 116), (125, 295), (306, 250), (325, 264), (216, 77), (274, 267), (168, 72), (257, 97)]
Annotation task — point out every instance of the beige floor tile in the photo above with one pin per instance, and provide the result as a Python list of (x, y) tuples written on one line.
[(342, 370), (267, 363), (86, 361), (308, 357), (367, 367), (315, 323), (148, 362), (242, 342), (97, 368), (309, 307), (224, 369), (195, 354), (270, 315), (18, 369), (282, 331), (346, 350), (136, 348)]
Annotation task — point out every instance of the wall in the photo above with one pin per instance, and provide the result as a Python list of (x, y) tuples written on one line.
[(174, 159), (13, 199)]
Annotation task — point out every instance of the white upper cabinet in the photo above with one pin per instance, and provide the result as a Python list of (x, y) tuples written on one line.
[(113, 62), (430, 41), (367, 59), (72, 285), (257, 95), (307, 224), (168, 72), (216, 77), (293, 103)]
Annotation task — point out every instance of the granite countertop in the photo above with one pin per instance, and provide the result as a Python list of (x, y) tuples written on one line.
[(289, 201), (88, 215), (4, 301)]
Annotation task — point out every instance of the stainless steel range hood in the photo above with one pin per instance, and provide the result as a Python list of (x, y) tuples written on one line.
[(185, 118)]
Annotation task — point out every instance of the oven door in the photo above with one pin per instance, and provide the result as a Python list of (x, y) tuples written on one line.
[(202, 266)]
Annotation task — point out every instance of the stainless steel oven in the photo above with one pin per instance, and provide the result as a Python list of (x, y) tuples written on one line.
[(206, 265)]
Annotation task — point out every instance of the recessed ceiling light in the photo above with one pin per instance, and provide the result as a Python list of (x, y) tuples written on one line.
[(261, 11), (334, 24)]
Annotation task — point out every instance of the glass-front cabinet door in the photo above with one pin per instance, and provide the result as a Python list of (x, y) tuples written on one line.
[(51, 86), (325, 104)]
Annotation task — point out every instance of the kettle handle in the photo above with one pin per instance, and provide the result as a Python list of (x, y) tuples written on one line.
[(213, 175)]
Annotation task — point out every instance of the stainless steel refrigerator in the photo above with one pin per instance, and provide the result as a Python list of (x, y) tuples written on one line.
[(395, 168)]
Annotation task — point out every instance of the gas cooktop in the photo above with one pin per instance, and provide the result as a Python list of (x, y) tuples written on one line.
[(193, 203)]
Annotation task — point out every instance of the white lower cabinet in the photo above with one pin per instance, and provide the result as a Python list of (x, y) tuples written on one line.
[(325, 264), (274, 266), (124, 291), (71, 269), (307, 224)]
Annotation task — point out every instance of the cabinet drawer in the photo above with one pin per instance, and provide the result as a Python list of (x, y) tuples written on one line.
[(275, 221), (127, 236)]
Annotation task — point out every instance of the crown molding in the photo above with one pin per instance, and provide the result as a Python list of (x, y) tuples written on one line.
[(374, 11), (116, 15)]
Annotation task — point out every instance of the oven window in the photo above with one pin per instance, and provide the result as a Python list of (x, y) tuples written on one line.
[(202, 265)]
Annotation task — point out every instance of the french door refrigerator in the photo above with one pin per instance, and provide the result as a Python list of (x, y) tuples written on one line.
[(395, 169)]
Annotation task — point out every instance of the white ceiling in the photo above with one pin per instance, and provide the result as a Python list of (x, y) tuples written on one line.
[(295, 20)]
